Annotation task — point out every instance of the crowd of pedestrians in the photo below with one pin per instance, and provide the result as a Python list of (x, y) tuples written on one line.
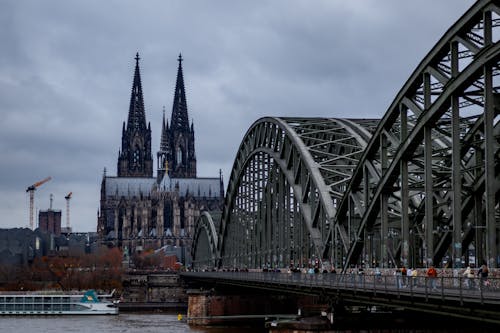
[(403, 277)]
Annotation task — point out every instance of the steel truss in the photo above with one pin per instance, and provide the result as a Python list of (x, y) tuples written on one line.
[(418, 187), (205, 241), (438, 149)]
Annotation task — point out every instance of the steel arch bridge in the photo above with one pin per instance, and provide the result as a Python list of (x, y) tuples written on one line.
[(420, 186)]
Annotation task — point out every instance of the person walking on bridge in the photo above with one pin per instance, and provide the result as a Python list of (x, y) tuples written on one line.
[(404, 272), (469, 276), (409, 272), (399, 278), (432, 276), (483, 276), (414, 276)]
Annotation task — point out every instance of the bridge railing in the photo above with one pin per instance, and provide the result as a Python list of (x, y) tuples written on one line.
[(461, 288)]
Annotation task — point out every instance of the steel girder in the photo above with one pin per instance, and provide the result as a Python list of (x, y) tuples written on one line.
[(446, 157), (204, 250), (288, 176)]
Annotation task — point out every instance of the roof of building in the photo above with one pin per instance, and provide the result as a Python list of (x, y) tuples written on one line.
[(134, 187), (197, 187), (129, 186)]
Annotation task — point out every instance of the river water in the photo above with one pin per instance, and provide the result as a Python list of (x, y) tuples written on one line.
[(123, 323), (148, 323)]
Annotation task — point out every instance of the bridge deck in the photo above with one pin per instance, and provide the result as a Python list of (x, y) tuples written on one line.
[(456, 296)]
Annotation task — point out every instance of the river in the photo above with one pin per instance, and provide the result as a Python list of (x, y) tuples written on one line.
[(146, 323), (123, 323)]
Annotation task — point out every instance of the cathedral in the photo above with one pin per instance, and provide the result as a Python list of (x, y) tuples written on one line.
[(139, 211)]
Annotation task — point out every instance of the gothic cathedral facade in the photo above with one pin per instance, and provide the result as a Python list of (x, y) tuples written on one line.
[(139, 211)]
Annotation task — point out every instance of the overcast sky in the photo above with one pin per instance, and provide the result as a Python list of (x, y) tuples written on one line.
[(66, 70)]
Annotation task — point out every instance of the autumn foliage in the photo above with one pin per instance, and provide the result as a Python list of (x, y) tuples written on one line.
[(154, 260), (101, 271)]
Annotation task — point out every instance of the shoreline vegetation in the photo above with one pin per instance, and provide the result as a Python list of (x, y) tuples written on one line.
[(103, 270), (100, 271)]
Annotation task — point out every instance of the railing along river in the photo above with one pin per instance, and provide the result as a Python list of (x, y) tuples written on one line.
[(447, 288)]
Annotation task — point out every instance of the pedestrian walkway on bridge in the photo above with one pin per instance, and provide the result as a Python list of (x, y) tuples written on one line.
[(459, 296)]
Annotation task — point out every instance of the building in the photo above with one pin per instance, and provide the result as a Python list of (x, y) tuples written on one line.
[(74, 244), (19, 246), (49, 221), (139, 211)]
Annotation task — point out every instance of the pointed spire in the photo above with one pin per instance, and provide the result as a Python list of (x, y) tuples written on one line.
[(179, 120), (179, 136), (136, 113), (163, 123), (135, 159), (164, 141)]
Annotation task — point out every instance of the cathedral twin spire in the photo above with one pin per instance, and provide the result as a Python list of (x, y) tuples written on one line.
[(179, 119), (136, 113), (176, 155), (135, 158)]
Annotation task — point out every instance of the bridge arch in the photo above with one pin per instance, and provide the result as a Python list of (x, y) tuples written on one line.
[(204, 252), (287, 178), (438, 143)]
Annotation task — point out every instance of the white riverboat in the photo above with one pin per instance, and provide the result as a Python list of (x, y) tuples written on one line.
[(37, 303)]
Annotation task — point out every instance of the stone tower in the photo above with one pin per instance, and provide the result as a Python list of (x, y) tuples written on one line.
[(177, 155), (135, 159)]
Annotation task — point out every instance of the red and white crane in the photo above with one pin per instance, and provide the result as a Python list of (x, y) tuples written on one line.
[(31, 189)]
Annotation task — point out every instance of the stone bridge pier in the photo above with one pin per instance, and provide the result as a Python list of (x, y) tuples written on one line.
[(227, 306)]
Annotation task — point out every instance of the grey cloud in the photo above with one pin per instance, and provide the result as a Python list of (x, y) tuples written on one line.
[(66, 72)]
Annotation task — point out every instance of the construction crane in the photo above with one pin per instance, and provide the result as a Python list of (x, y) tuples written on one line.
[(31, 189), (68, 197)]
